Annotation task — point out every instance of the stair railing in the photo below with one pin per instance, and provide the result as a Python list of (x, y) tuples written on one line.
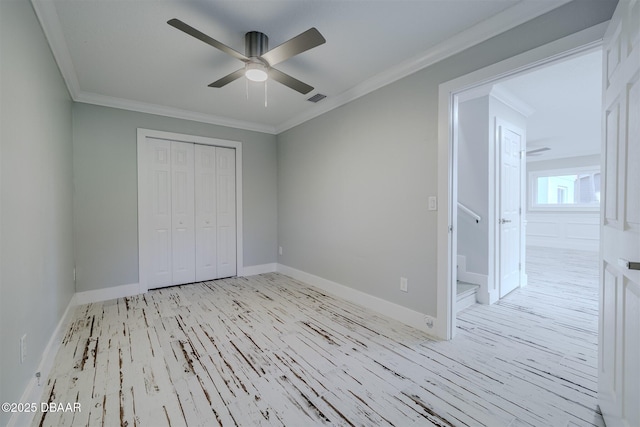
[(469, 212)]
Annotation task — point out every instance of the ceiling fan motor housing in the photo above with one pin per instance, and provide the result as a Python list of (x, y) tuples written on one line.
[(255, 44)]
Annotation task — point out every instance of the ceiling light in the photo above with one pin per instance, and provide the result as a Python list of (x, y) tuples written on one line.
[(256, 72)]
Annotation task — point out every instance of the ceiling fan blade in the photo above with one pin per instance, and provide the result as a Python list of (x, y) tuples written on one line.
[(537, 151), (300, 43), (289, 81), (176, 23), (228, 78)]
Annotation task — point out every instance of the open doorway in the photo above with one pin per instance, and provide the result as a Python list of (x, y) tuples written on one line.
[(528, 175), (581, 43)]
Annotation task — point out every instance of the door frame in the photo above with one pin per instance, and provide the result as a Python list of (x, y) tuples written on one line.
[(578, 43), (142, 136)]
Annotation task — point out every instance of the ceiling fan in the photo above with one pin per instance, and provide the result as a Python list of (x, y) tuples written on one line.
[(537, 151), (258, 59)]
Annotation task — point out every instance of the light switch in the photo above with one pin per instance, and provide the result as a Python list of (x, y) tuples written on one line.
[(433, 203)]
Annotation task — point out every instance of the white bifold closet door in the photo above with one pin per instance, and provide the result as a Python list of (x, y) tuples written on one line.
[(215, 215), (183, 248), (191, 221)]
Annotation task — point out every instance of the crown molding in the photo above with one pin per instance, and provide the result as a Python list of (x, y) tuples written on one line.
[(505, 20), (162, 110), (50, 23), (507, 97)]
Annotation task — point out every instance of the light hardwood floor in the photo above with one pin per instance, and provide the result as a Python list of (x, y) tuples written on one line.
[(268, 350)]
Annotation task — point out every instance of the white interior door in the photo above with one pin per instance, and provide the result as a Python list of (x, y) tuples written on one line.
[(511, 144), (158, 227), (182, 213), (619, 328), (206, 213), (226, 211)]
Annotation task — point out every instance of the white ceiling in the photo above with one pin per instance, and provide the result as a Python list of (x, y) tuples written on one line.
[(566, 103), (123, 53)]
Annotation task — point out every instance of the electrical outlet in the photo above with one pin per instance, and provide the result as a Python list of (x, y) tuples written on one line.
[(279, 250), (23, 348), (403, 284), (428, 320)]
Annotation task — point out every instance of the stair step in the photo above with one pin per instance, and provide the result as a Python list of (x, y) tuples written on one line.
[(465, 295), (463, 289)]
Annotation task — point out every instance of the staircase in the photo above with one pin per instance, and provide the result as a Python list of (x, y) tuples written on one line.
[(466, 295)]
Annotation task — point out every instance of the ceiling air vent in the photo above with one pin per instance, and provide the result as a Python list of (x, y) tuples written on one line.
[(317, 97)]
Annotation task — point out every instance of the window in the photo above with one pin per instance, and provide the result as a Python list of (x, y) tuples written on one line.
[(566, 189)]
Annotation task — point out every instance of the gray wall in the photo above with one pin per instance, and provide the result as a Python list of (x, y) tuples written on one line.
[(353, 183), (473, 182), (106, 193), (36, 262)]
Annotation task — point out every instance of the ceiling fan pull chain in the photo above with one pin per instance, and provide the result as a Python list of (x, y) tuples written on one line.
[(265, 94)]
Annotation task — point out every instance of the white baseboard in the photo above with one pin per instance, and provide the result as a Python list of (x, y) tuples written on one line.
[(104, 294), (387, 308), (253, 270), (121, 291), (34, 390)]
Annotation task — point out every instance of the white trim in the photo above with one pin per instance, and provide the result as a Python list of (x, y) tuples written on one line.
[(503, 21), (575, 44), (384, 307), (253, 270), (33, 391), (508, 98), (162, 110), (143, 134), (50, 23), (104, 294)]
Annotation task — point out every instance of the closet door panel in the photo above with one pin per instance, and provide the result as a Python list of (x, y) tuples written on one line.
[(159, 224), (226, 211), (182, 214), (205, 191)]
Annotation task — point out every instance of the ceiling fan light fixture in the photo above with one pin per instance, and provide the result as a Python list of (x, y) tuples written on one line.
[(256, 72)]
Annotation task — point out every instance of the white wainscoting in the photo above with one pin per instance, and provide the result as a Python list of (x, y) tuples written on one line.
[(580, 231)]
